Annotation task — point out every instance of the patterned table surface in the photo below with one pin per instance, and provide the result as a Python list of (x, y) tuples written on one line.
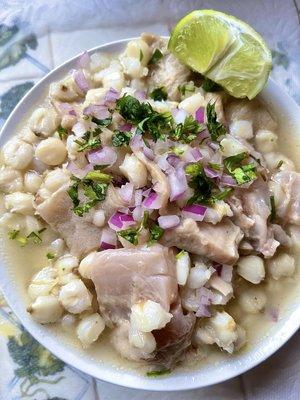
[(36, 36)]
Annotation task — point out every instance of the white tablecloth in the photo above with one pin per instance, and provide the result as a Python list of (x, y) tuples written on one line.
[(59, 29)]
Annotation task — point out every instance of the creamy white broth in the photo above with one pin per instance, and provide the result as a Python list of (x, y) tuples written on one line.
[(281, 294)]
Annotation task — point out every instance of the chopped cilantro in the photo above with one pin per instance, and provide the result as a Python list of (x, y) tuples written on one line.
[(73, 193), (156, 56), (121, 138), (180, 254), (210, 86), (98, 176), (241, 173), (187, 131), (279, 164), (216, 167), (94, 188), (176, 150), (222, 194), (143, 115), (62, 132), (35, 237), (159, 94), (215, 128), (130, 234), (141, 55), (13, 234), (273, 209), (160, 372), (89, 141), (156, 233), (23, 240), (50, 256), (200, 183), (186, 88), (102, 122), (205, 189)]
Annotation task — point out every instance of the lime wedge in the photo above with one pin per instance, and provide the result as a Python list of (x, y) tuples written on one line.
[(224, 49)]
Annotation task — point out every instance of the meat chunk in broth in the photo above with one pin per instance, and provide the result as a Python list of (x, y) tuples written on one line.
[(175, 337), (217, 242), (251, 213), (169, 73), (286, 189), (123, 277), (80, 235)]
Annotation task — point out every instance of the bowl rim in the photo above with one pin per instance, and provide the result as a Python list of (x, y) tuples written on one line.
[(119, 376)]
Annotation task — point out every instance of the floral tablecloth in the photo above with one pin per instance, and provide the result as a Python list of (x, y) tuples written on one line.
[(36, 36)]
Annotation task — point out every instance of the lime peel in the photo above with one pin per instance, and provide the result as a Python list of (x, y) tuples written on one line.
[(224, 49)]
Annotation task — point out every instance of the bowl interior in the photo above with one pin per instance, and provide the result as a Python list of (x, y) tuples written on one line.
[(288, 114)]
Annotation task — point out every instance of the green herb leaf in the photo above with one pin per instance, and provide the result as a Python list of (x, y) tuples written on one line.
[(153, 374), (216, 167), (50, 256), (186, 88), (215, 128), (187, 131), (156, 56), (121, 138), (35, 237), (89, 141), (210, 86), (130, 234), (102, 122), (73, 193), (279, 164), (98, 176), (62, 132), (141, 55), (156, 233), (159, 94), (180, 254), (177, 151), (272, 217), (241, 173), (143, 115), (222, 194), (13, 234)]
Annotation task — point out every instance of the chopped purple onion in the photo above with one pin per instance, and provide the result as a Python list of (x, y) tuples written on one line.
[(194, 211), (152, 202), (212, 173), (104, 156), (168, 221), (108, 239), (66, 108), (138, 197), (140, 95), (80, 173), (98, 111), (120, 221), (81, 81), (226, 273), (179, 115), (148, 153), (192, 154), (125, 127), (83, 60), (111, 96), (79, 129), (138, 213), (126, 192), (178, 182), (200, 114)]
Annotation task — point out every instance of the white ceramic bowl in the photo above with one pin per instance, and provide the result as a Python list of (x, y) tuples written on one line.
[(284, 107)]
